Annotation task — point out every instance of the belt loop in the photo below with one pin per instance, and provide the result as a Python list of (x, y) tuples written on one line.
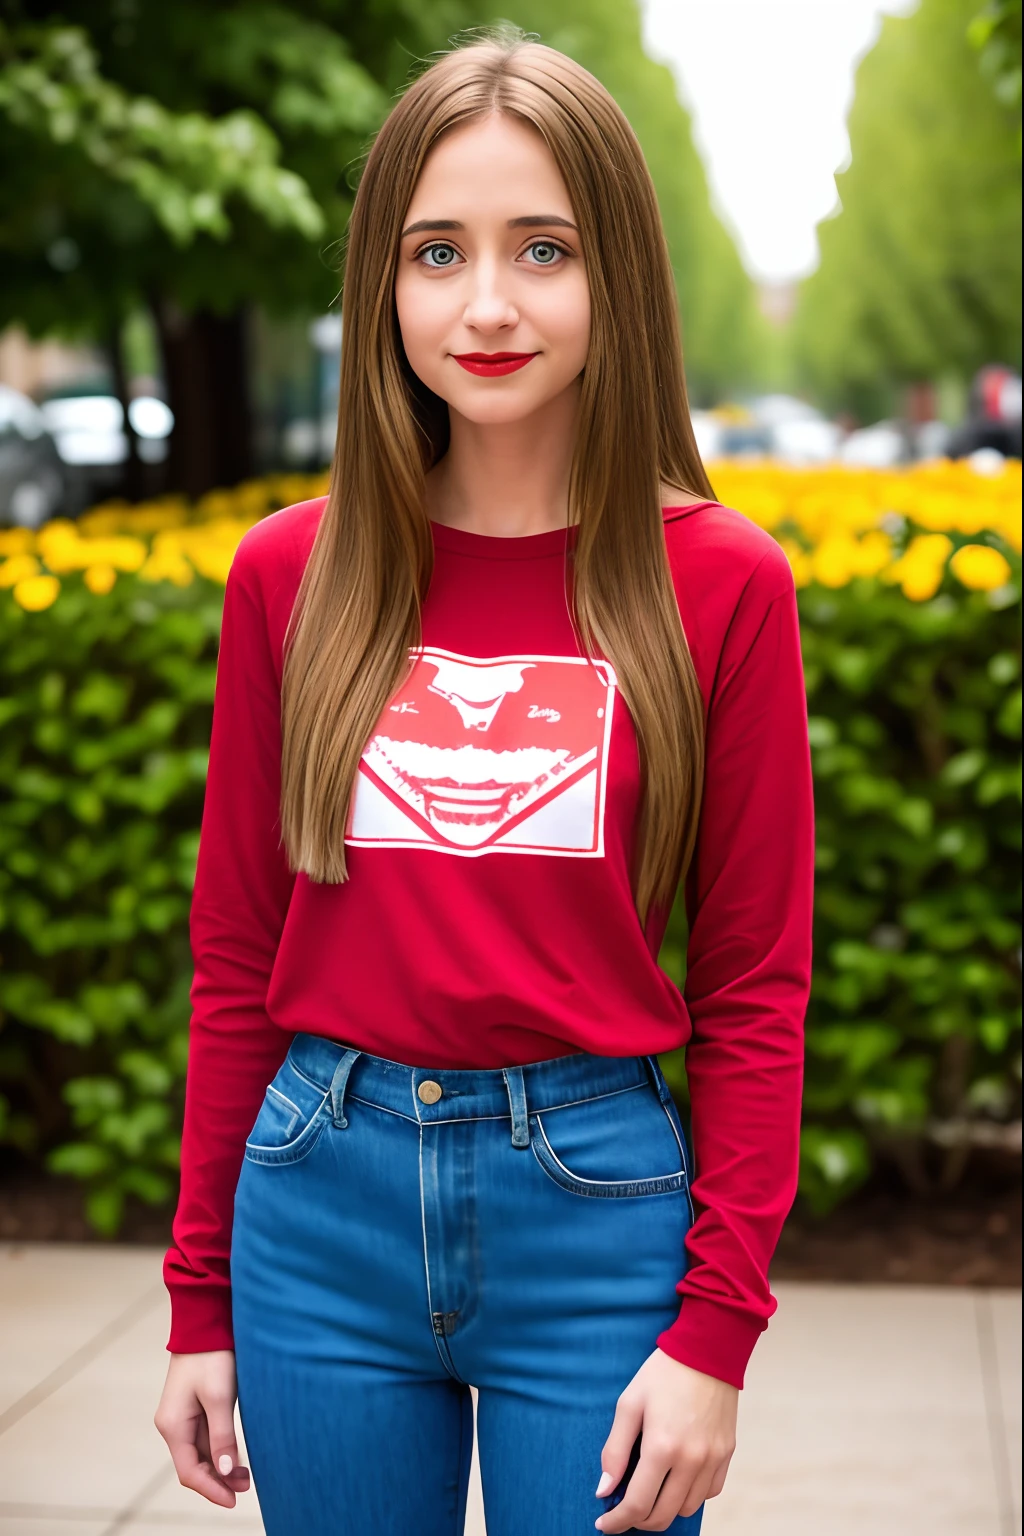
[(338, 1084), (658, 1079), (517, 1103)]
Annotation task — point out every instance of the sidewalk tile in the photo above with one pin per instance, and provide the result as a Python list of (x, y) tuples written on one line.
[(92, 1442), (864, 1410), (55, 1298), (21, 1525), (1005, 1310)]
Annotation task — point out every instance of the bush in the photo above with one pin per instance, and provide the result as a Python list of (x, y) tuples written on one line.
[(909, 592)]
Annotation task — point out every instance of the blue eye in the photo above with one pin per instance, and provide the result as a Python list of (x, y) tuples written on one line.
[(545, 253), (442, 255)]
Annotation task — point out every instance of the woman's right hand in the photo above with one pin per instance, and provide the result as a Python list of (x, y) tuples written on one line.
[(196, 1416)]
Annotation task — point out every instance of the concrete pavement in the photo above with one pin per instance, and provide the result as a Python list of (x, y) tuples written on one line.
[(894, 1409)]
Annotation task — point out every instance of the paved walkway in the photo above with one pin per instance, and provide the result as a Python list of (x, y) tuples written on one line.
[(889, 1409)]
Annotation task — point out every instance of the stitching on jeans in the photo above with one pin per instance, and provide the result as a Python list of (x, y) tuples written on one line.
[(682, 1153), (384, 1109), (320, 1087), (284, 1097), (675, 1133), (590, 1099), (461, 1119), (426, 1259), (316, 1123), (651, 1178)]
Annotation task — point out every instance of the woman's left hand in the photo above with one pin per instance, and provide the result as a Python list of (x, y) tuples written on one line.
[(689, 1434)]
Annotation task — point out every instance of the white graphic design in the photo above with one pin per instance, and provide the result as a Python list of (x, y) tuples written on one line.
[(508, 755)]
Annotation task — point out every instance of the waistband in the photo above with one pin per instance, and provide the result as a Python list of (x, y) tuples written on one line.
[(435, 1094)]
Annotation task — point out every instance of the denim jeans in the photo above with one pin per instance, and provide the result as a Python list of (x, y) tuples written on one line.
[(401, 1233)]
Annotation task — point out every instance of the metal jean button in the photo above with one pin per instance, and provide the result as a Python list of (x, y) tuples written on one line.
[(429, 1091)]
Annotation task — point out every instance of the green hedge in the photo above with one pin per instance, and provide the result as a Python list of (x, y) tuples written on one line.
[(913, 1029), (914, 1024)]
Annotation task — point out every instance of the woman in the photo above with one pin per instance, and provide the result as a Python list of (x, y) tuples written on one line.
[(477, 712)]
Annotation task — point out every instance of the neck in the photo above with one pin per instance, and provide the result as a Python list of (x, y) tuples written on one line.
[(508, 479)]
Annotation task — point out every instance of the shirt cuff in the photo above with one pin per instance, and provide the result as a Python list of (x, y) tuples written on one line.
[(200, 1319), (713, 1339)]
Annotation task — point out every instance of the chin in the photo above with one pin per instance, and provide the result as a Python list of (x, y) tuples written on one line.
[(497, 413)]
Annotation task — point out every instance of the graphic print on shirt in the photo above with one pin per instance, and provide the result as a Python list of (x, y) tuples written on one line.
[(504, 755)]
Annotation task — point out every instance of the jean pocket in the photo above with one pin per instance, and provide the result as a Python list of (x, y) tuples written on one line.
[(620, 1145), (292, 1118)]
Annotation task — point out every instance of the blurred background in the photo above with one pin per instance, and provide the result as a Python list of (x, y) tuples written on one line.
[(840, 186)]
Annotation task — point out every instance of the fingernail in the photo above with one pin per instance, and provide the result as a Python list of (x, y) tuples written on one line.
[(605, 1485), (225, 1463)]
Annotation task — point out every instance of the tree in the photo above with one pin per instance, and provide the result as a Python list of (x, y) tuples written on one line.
[(996, 33), (920, 269), (190, 159), (198, 159)]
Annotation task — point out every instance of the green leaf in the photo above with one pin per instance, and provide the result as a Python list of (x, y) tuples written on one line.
[(94, 1096), (998, 784), (101, 697), (852, 666), (80, 1159), (1008, 720), (914, 814), (822, 732), (964, 767), (145, 1071), (152, 1187), (64, 1020), (112, 1006), (833, 1163), (1003, 667), (104, 1209)]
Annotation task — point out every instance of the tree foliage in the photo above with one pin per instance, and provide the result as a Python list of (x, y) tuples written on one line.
[(920, 271), (996, 33), (203, 155), (191, 152)]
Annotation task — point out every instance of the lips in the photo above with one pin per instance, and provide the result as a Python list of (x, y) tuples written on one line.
[(493, 365)]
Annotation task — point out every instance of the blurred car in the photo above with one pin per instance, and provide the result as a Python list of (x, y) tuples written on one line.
[(88, 426), (798, 433), (931, 440), (774, 426), (32, 480), (730, 432), (879, 446), (708, 433), (815, 440)]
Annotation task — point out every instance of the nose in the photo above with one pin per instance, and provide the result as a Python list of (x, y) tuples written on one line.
[(489, 308)]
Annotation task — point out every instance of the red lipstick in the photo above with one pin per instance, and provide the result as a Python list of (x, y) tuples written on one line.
[(491, 365)]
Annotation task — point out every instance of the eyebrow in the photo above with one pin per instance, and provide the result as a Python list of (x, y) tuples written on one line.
[(526, 221)]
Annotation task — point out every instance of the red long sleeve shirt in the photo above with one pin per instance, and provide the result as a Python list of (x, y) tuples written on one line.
[(488, 919)]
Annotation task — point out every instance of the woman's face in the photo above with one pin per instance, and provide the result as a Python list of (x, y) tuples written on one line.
[(491, 287)]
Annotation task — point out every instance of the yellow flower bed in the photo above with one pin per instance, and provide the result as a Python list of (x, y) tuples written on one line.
[(834, 523)]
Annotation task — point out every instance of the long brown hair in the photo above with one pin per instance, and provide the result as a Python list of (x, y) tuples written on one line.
[(357, 613)]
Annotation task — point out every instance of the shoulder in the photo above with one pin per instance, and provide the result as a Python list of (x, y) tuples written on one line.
[(727, 572), (277, 548), (265, 573), (721, 552)]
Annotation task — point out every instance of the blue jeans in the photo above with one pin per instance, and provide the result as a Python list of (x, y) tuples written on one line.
[(400, 1233)]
